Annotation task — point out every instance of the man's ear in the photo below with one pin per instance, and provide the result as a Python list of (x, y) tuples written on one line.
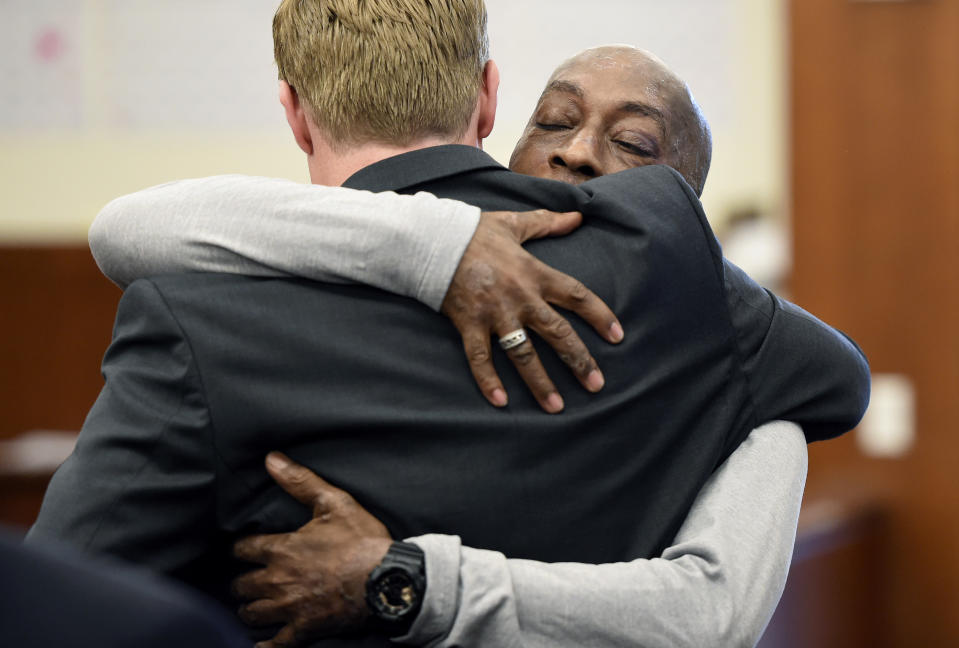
[(487, 99), (296, 117)]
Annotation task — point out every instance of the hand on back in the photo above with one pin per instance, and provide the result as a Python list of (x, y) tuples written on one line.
[(500, 288)]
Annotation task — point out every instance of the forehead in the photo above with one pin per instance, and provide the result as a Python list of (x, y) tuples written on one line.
[(615, 86), (611, 77)]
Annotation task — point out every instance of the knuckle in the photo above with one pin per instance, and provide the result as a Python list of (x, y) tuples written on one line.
[(261, 547), (578, 292), (342, 499), (543, 315), (319, 502), (581, 363), (454, 305), (297, 477), (523, 355), (560, 329), (282, 552), (478, 355), (530, 312)]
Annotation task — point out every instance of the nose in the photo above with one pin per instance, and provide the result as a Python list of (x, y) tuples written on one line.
[(578, 154)]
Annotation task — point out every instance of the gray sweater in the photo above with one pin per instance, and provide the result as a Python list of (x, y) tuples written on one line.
[(719, 582)]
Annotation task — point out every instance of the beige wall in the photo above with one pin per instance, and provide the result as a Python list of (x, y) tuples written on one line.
[(53, 185), (750, 152), (53, 181)]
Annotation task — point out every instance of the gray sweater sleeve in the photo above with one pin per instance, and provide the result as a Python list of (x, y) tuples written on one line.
[(717, 585), (409, 245)]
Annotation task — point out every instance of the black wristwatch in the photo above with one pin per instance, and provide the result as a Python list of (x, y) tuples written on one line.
[(395, 589)]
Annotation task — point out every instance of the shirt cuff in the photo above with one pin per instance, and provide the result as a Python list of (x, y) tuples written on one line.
[(435, 618), (449, 242)]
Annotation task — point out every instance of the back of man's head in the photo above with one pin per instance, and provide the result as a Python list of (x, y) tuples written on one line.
[(385, 71)]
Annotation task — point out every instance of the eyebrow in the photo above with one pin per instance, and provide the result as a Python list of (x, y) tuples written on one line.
[(639, 108), (565, 86)]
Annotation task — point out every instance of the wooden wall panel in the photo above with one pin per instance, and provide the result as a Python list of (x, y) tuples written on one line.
[(875, 184), (56, 318), (834, 588)]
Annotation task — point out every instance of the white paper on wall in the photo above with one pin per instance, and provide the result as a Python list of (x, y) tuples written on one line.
[(41, 64)]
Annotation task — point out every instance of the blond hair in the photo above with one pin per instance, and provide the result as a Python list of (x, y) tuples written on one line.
[(386, 71)]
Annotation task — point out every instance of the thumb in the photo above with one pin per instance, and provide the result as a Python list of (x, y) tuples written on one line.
[(542, 222), (536, 224), (299, 481)]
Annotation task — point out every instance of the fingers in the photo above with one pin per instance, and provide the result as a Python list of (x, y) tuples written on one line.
[(564, 291), (476, 343), (559, 288), (499, 287), (538, 316), (303, 484), (524, 358), (252, 585), (531, 370), (256, 549), (539, 223), (559, 334), (285, 638), (262, 612)]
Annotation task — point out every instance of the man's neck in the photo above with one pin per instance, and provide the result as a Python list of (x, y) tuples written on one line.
[(333, 168)]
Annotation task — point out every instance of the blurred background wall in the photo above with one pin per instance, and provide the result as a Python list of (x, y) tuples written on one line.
[(104, 97), (836, 126), (874, 159)]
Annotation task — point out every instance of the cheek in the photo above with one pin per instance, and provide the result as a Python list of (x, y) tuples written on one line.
[(621, 161), (617, 164), (529, 158)]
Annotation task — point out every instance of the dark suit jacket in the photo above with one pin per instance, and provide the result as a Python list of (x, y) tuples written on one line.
[(207, 373), (53, 597)]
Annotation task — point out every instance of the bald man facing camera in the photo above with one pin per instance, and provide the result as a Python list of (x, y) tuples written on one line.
[(614, 108)]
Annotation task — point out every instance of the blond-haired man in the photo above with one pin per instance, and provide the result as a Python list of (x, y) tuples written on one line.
[(368, 389)]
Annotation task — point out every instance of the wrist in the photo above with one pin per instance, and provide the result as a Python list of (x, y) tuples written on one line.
[(395, 589)]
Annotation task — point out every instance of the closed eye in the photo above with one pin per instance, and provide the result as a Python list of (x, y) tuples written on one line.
[(551, 127), (635, 149)]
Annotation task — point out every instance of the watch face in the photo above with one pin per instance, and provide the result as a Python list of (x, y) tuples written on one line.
[(393, 594)]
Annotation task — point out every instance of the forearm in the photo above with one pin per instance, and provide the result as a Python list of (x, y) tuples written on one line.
[(717, 585), (409, 245)]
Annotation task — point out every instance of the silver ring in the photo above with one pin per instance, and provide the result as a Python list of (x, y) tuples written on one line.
[(512, 339)]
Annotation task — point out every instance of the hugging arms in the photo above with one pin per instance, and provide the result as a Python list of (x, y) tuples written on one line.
[(584, 127), (730, 557)]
